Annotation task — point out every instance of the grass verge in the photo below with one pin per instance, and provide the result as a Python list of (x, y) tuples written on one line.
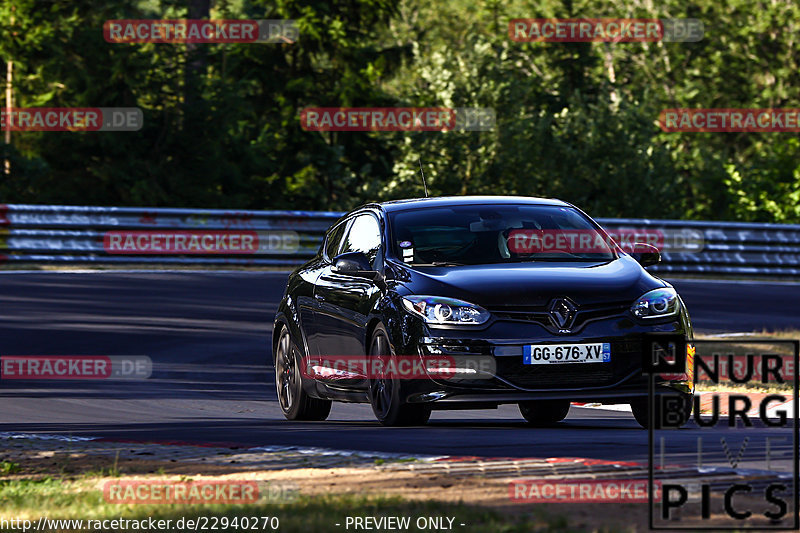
[(80, 500)]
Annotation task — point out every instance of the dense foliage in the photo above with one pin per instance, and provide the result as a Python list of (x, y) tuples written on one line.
[(574, 120)]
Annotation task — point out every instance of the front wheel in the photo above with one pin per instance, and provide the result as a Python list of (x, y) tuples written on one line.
[(384, 389), (544, 412), (295, 403)]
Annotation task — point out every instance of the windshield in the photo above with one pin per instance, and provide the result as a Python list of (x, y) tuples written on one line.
[(481, 234)]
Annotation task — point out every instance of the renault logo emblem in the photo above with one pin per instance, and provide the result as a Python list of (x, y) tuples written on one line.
[(562, 313)]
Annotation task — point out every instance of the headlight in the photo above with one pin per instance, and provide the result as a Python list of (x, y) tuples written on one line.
[(438, 310), (657, 303)]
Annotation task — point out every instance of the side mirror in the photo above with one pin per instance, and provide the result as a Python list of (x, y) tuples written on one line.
[(645, 254), (354, 264)]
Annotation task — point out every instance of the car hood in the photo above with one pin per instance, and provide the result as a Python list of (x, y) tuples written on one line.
[(491, 286)]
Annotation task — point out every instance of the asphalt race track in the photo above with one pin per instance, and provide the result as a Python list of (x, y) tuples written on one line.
[(208, 337)]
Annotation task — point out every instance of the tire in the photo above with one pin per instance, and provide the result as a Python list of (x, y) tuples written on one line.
[(294, 402), (679, 411), (384, 391), (542, 413)]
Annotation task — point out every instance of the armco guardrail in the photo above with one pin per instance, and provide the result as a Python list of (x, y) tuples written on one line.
[(76, 234), (732, 248)]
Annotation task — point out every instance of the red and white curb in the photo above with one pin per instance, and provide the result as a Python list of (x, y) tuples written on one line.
[(513, 470)]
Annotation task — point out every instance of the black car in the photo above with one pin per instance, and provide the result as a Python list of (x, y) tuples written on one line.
[(528, 298)]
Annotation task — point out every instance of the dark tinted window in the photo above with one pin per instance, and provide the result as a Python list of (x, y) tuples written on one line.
[(334, 241), (481, 234), (364, 236)]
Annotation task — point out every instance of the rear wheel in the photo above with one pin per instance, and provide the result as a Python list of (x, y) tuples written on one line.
[(544, 412), (384, 389), (671, 411), (295, 403)]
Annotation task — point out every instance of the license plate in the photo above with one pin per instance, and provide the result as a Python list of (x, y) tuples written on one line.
[(545, 354)]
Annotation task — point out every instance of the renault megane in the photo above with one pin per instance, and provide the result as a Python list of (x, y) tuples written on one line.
[(472, 302)]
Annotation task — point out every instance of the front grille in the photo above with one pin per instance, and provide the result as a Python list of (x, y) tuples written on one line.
[(625, 358), (538, 314), (555, 376)]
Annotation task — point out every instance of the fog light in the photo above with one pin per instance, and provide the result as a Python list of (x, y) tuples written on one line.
[(427, 397)]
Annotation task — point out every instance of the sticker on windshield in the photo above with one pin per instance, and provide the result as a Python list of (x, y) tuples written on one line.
[(405, 244), (408, 255)]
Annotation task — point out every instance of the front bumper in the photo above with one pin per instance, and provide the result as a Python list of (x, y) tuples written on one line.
[(512, 381)]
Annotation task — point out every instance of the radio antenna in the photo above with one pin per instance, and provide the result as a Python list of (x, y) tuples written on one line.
[(425, 185)]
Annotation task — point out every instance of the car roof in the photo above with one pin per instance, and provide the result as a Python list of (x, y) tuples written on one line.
[(452, 201)]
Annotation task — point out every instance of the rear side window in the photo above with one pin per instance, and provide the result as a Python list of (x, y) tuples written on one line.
[(333, 243)]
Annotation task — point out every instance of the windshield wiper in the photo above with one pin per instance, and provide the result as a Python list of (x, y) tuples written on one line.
[(439, 264), (569, 259)]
